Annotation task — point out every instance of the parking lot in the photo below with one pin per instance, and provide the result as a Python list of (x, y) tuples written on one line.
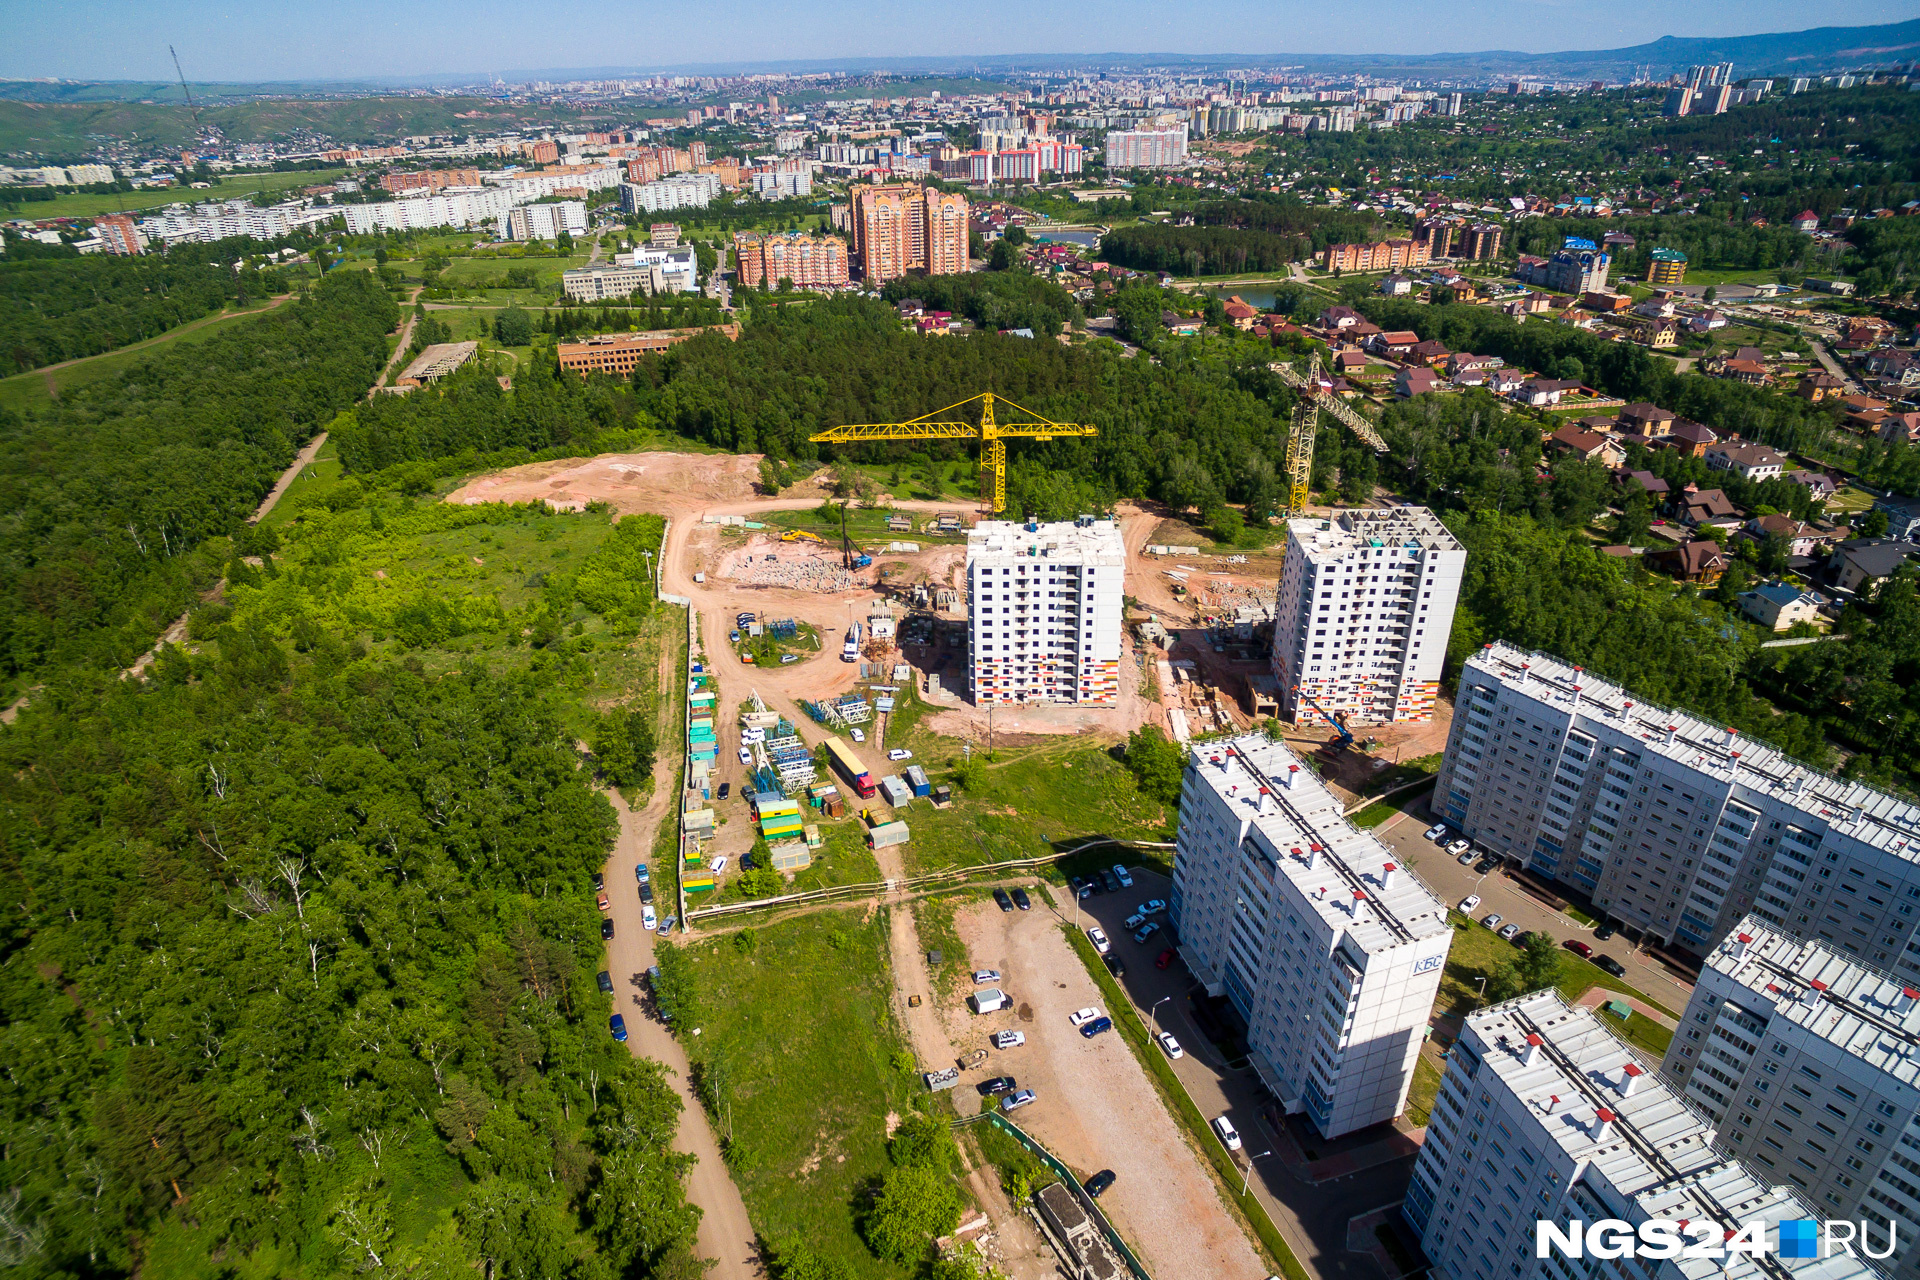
[(1453, 882), (1096, 1108)]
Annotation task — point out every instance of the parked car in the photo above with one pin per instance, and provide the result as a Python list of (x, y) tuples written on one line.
[(1166, 958), (1099, 1182), (1469, 902), (1087, 1014), (1015, 1101), (1115, 965), (1000, 896), (1152, 907), (719, 864), (1487, 864), (1604, 932), (641, 873), (1521, 940), (1170, 1045), (1021, 900), (1459, 847), (606, 927), (785, 658), (603, 901), (599, 882), (617, 1025), (666, 926), (1437, 832), (1110, 882), (746, 756), (1578, 947), (647, 917), (981, 977), (899, 753), (605, 982), (1229, 1136), (1097, 1027), (725, 787), (1509, 932), (646, 892), (1098, 937), (858, 735), (1492, 919), (733, 637), (1146, 931), (1611, 965), (1009, 1039), (1121, 874), (996, 1086), (1135, 920)]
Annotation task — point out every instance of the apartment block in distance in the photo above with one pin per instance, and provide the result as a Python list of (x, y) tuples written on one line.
[(1147, 148), (1329, 951), (1043, 611), (119, 233), (547, 221), (1809, 1063), (1670, 824), (1545, 1116), (811, 262), (1480, 241), (1361, 621), (902, 227)]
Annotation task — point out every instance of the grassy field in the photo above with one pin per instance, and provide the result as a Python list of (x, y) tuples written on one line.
[(1025, 802), (230, 186), (801, 1064), (1639, 1031), (1849, 501), (29, 390)]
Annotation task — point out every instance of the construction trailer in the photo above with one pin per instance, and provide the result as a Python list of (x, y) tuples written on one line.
[(917, 779), (887, 833), (897, 793)]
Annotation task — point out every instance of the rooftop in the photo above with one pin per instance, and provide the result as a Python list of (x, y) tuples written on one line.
[(1872, 817), (1077, 539), (1335, 539), (1345, 873)]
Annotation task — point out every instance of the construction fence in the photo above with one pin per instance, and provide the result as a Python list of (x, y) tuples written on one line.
[(1087, 1202)]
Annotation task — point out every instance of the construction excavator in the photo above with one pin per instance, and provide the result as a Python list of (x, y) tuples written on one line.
[(946, 424), (1316, 397), (1344, 740)]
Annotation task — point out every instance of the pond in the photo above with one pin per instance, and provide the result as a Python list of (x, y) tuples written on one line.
[(1085, 239), (1258, 299)]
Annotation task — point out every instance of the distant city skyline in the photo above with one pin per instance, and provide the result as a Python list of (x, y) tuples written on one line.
[(298, 40)]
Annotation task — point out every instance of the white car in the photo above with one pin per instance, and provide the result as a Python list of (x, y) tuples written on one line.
[(1459, 846), (753, 735), (1172, 1046), (719, 864), (1437, 832), (899, 753), (647, 918), (1081, 1016), (1468, 903), (858, 735), (1098, 937), (1229, 1136), (1009, 1039), (1120, 873), (1493, 919), (981, 977), (746, 756)]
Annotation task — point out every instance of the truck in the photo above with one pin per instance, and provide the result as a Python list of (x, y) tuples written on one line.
[(850, 650), (850, 768)]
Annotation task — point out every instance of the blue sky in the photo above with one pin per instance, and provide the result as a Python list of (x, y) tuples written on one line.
[(255, 40)]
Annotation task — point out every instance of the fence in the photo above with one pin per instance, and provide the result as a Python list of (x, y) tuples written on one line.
[(1072, 1183), (843, 892)]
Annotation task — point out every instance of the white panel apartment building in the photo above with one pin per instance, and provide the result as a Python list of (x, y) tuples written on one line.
[(448, 207), (1809, 1064), (1043, 611), (1670, 824), (547, 221), (1544, 1115), (1330, 952), (682, 191), (1364, 610)]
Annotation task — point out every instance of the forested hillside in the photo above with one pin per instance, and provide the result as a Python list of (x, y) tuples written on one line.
[(109, 492), (62, 308), (298, 981)]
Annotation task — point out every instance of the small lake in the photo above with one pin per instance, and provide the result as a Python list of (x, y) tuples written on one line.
[(1085, 239), (1258, 299)]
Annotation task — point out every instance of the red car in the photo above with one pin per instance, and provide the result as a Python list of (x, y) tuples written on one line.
[(1578, 947), (1166, 958)]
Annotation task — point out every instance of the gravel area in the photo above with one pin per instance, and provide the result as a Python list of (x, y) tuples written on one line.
[(1096, 1107)]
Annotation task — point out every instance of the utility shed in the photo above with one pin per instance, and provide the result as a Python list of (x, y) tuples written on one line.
[(897, 792), (887, 833)]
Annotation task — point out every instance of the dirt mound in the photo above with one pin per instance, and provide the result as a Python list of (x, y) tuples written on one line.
[(671, 483)]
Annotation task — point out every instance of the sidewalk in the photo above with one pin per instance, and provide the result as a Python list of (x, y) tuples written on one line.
[(1600, 995)]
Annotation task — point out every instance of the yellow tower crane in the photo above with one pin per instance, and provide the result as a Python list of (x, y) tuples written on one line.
[(990, 431), (1316, 397)]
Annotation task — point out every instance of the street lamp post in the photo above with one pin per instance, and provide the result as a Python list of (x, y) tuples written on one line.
[(1246, 1175), (1154, 1013)]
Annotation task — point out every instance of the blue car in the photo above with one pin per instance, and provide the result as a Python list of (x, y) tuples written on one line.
[(618, 1025), (641, 873), (1097, 1026)]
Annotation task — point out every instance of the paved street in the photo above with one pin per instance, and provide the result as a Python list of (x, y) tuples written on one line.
[(1311, 1216), (1452, 882)]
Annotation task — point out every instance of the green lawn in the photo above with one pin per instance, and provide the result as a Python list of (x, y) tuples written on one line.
[(796, 1061), (1025, 802), (29, 390), (1639, 1031), (1849, 501), (1478, 951), (230, 186)]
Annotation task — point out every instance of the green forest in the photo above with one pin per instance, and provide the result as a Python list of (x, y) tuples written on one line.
[(58, 308)]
